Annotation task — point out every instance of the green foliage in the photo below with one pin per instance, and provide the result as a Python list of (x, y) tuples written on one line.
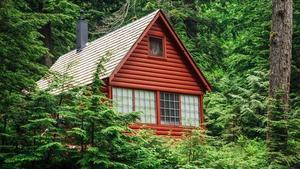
[(198, 151), (293, 155), (229, 40)]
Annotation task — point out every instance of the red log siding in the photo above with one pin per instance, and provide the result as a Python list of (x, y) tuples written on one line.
[(170, 73), (174, 131)]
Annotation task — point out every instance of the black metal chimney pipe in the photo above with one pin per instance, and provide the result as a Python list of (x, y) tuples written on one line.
[(81, 32)]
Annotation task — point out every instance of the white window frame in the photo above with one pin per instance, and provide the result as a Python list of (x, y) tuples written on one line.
[(190, 114), (145, 102), (123, 99), (129, 100)]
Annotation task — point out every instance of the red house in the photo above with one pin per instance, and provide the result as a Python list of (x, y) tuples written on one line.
[(148, 70)]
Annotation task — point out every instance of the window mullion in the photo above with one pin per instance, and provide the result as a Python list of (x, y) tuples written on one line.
[(133, 100), (158, 120), (179, 111)]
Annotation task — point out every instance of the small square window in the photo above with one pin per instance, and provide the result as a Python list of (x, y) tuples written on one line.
[(156, 46)]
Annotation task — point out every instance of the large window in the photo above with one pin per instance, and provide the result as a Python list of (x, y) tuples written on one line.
[(156, 46), (123, 99), (175, 109), (189, 110), (145, 103), (169, 108)]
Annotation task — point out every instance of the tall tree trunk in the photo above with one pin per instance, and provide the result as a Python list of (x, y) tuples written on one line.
[(47, 39), (280, 70), (47, 35)]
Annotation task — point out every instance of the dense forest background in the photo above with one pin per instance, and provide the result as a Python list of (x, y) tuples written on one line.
[(229, 39)]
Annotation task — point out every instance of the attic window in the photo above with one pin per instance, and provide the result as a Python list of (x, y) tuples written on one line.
[(156, 46)]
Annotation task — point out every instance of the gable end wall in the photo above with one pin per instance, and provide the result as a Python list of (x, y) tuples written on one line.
[(171, 73)]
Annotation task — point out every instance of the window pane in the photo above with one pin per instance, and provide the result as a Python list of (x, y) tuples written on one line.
[(169, 108), (190, 110), (123, 99), (156, 47), (145, 102)]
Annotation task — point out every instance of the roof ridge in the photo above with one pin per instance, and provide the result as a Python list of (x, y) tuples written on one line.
[(131, 23)]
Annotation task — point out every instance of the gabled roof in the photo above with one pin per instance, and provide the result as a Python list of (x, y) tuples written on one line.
[(118, 44), (160, 14), (81, 66)]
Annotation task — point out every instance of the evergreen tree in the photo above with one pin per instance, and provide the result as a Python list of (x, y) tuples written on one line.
[(20, 49), (79, 128)]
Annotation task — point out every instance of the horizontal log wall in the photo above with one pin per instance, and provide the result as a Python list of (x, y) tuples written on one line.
[(162, 130), (169, 73)]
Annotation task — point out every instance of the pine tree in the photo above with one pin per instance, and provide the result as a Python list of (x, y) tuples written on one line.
[(20, 49)]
